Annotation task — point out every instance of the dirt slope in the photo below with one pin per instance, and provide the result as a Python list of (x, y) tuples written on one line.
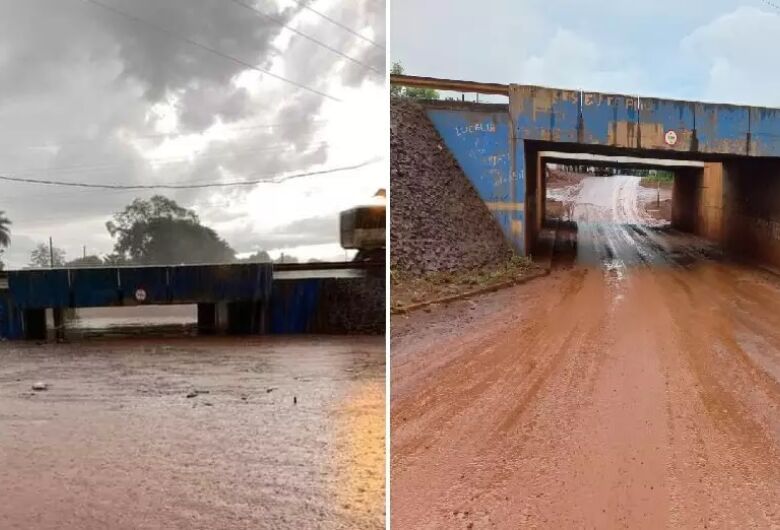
[(438, 222)]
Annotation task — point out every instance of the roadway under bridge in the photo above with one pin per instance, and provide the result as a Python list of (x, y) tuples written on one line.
[(256, 298), (726, 158), (637, 384)]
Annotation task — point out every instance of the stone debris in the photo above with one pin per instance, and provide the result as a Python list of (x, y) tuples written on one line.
[(438, 221)]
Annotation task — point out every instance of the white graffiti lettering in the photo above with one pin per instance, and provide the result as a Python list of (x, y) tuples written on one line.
[(488, 126)]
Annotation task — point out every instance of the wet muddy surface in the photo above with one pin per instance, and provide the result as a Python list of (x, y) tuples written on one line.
[(636, 386), (275, 433)]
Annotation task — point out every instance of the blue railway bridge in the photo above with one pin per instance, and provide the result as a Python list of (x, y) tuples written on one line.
[(231, 298), (731, 195)]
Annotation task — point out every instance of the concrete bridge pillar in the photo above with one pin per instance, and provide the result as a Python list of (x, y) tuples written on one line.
[(698, 201), (34, 322), (212, 318), (752, 209), (235, 318)]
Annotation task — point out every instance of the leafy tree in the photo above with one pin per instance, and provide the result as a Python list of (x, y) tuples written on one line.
[(41, 257), (5, 232), (114, 259), (158, 232), (398, 91), (86, 261), (5, 235), (286, 258), (260, 256)]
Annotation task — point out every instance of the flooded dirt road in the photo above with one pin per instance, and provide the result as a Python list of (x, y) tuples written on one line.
[(115, 442), (637, 386)]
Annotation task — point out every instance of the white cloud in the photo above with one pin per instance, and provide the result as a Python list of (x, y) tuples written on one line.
[(83, 96), (735, 52), (575, 62)]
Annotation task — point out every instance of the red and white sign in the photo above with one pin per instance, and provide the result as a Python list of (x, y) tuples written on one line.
[(140, 295), (670, 138)]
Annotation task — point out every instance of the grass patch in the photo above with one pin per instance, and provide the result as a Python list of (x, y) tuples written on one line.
[(658, 177), (406, 289)]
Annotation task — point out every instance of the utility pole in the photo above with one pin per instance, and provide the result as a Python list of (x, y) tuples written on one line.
[(51, 254), (85, 252)]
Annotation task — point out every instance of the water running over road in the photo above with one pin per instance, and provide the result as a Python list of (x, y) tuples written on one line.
[(638, 386)]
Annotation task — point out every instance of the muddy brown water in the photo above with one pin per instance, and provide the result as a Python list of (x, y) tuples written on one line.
[(116, 443), (637, 386)]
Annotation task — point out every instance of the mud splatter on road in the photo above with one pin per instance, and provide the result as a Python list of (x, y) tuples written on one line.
[(636, 387), (116, 443)]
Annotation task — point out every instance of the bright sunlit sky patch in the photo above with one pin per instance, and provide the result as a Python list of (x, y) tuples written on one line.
[(711, 50), (89, 96)]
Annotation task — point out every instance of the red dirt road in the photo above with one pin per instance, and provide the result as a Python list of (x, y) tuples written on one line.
[(639, 388), (577, 402)]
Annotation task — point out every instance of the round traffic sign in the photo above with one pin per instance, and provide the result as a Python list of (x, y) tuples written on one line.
[(670, 137), (140, 295)]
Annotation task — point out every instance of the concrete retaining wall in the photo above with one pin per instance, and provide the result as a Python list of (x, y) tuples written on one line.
[(698, 201), (328, 305), (752, 214)]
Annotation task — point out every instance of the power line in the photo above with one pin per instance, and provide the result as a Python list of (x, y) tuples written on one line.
[(209, 49), (175, 134), (275, 179), (170, 160), (305, 36), (339, 24)]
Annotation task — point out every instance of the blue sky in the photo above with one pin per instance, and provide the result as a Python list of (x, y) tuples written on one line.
[(718, 50)]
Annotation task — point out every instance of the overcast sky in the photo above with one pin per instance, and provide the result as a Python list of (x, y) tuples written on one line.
[(88, 95), (715, 50)]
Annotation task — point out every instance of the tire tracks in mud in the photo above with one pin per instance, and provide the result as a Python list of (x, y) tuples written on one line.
[(615, 397)]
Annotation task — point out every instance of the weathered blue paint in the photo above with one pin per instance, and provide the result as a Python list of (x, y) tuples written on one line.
[(605, 117), (545, 114), (39, 288), (294, 307), (657, 116), (113, 286), (722, 128), (517, 217), (93, 287), (221, 282), (480, 142), (157, 282), (10, 318), (765, 132), (315, 304), (493, 156), (328, 305)]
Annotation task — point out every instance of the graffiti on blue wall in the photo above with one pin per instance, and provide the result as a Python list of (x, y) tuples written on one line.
[(481, 144)]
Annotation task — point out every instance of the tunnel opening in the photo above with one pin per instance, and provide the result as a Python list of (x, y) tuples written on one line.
[(168, 320), (620, 211), (729, 202)]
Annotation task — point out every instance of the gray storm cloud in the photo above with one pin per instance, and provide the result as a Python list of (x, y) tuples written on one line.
[(80, 87)]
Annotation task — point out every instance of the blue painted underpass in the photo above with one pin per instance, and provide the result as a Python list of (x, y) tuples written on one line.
[(242, 298), (496, 145)]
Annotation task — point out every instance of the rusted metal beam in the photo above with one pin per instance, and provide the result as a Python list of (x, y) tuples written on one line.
[(449, 84)]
